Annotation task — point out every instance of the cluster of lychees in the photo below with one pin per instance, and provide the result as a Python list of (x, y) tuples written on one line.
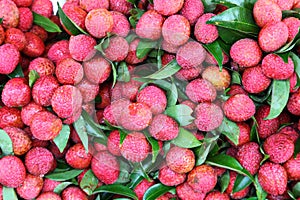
[(50, 83)]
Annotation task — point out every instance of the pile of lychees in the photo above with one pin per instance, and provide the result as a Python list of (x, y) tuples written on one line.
[(158, 99)]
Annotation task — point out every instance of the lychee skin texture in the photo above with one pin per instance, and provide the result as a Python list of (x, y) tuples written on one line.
[(42, 66), (163, 128), (48, 196), (244, 136), (76, 14), (35, 46), (209, 116), (113, 143), (39, 161), (16, 93), (117, 49), (202, 178), (142, 187), (97, 70), (68, 71), (265, 12), (246, 52), (186, 192), (280, 147), (149, 25), (216, 195), (89, 5), (81, 47), (219, 79), (274, 67), (237, 195), (131, 57), (16, 37), (293, 25), (273, 36), (254, 81), (272, 178), (190, 55), (10, 13), (121, 25), (292, 167), (121, 6), (176, 30), (73, 192), (31, 187), (77, 157), (42, 7), (249, 157), (205, 33), (293, 106), (9, 58), (29, 111), (154, 97), (13, 172), (10, 117), (45, 125), (265, 127), (135, 147), (66, 101), (239, 108), (167, 8), (136, 117), (26, 19), (88, 90), (170, 178), (43, 90), (180, 160), (99, 16), (21, 141), (105, 167), (192, 10), (59, 51), (201, 90)]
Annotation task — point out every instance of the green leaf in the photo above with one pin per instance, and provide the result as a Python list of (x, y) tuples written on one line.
[(224, 181), (115, 74), (59, 188), (169, 70), (236, 78), (209, 6), (296, 61), (241, 182), (46, 23), (215, 50), (89, 182), (5, 143), (260, 193), (296, 190), (93, 128), (61, 140), (18, 72), (116, 189), (123, 73), (186, 139), (172, 95), (9, 193), (238, 18), (156, 191), (230, 36), (63, 176), (297, 147), (136, 14), (155, 148), (203, 151), (144, 47), (284, 56), (80, 127), (280, 97), (124, 176), (33, 76), (262, 97), (181, 113), (289, 46), (291, 194), (233, 3), (291, 13), (68, 23), (1, 20), (230, 129), (228, 162)]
